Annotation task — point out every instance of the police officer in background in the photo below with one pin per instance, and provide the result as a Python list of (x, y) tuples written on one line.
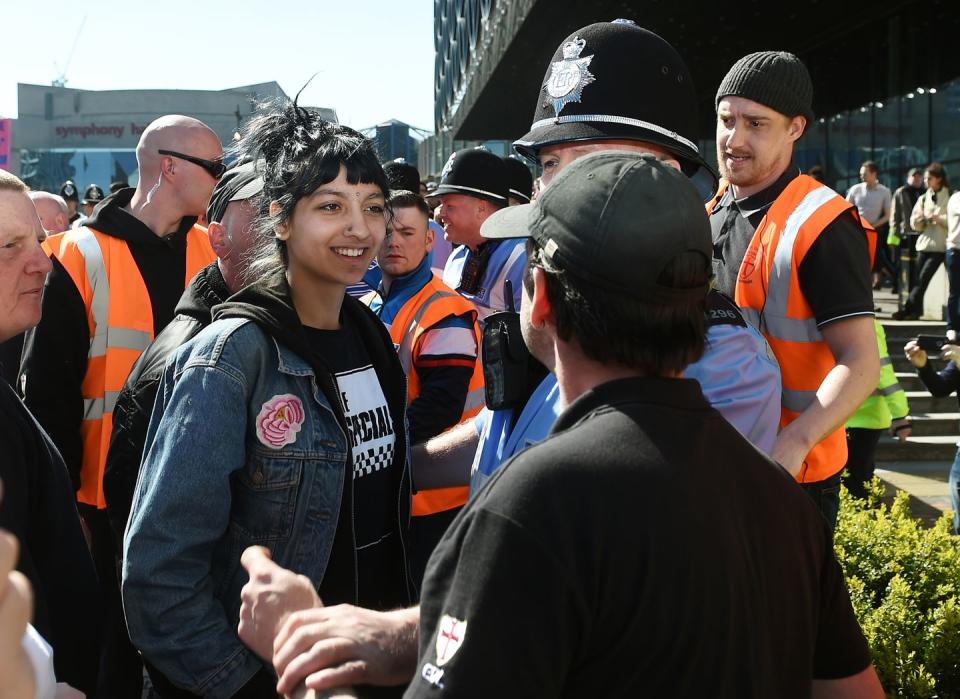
[(92, 196), (473, 185), (520, 182), (68, 190)]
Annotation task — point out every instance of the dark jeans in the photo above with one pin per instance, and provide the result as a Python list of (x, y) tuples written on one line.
[(928, 263), (861, 446), (953, 296), (826, 496)]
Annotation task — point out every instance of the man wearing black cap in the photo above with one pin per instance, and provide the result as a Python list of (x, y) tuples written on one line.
[(796, 257), (574, 572), (68, 190), (232, 209), (520, 181), (474, 184)]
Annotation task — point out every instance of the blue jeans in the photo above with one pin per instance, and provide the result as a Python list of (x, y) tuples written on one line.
[(955, 492), (953, 295), (826, 496)]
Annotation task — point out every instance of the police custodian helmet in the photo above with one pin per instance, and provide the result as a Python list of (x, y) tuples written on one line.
[(475, 172), (615, 80)]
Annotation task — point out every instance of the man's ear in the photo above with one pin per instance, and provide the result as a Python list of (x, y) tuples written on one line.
[(430, 238), (281, 230), (541, 312), (217, 234), (797, 126)]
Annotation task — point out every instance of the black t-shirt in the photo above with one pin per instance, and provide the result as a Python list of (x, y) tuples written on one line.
[(644, 549), (372, 440), (834, 275)]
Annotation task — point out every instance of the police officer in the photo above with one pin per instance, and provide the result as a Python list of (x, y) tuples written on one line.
[(68, 190), (473, 185), (520, 181), (92, 196)]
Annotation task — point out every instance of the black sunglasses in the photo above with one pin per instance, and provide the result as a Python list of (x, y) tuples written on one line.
[(214, 167)]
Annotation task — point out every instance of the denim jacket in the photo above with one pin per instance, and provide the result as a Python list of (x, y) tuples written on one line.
[(230, 462)]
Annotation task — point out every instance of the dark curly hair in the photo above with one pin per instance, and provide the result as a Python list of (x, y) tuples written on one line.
[(297, 152)]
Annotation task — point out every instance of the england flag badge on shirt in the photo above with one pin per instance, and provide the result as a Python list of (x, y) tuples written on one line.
[(450, 636)]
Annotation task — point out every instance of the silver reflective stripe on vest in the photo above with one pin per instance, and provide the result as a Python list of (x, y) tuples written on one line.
[(475, 400), (405, 350), (888, 390), (886, 361), (797, 401), (775, 321), (97, 278), (94, 408)]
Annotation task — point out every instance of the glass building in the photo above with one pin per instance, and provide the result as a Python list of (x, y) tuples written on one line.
[(898, 133)]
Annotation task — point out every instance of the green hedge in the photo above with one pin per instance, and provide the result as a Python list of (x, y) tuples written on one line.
[(904, 580)]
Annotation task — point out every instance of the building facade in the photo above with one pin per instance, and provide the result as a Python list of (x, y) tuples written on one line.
[(90, 136)]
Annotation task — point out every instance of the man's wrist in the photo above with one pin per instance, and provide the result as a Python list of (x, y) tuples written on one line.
[(406, 635)]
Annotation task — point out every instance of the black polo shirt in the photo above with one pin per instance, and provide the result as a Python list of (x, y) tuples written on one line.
[(835, 275), (644, 549)]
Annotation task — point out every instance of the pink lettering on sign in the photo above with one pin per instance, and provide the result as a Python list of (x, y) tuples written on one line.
[(90, 129)]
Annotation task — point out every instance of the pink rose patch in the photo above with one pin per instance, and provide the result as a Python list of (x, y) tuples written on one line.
[(279, 421)]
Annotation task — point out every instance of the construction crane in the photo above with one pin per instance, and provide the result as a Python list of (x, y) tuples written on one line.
[(61, 80)]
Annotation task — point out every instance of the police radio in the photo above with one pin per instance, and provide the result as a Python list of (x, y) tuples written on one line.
[(510, 372)]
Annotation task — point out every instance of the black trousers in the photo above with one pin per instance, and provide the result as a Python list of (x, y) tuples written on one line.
[(929, 263), (826, 496), (121, 670), (861, 447)]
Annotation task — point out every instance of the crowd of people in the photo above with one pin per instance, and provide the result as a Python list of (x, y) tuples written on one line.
[(358, 435)]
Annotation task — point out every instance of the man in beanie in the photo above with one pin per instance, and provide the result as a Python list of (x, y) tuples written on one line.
[(232, 209), (796, 257), (538, 591), (474, 184)]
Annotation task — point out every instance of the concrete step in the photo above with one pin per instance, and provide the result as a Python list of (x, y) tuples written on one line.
[(909, 381), (923, 402), (935, 424), (929, 448), (912, 328)]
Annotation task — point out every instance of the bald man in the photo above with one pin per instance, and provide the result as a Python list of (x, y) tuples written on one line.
[(52, 210), (114, 285)]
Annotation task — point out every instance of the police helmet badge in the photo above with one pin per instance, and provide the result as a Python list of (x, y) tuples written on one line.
[(69, 190), (569, 76), (449, 166)]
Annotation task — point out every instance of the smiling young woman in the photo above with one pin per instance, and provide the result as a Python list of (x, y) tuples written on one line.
[(281, 424)]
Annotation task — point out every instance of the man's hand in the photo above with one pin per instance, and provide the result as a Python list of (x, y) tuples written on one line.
[(950, 353), (16, 602), (901, 428), (268, 598), (789, 454), (916, 355), (331, 647)]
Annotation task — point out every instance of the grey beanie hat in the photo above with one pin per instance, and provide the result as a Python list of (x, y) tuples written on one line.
[(776, 79)]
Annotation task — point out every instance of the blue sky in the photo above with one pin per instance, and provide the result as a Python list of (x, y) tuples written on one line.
[(374, 58)]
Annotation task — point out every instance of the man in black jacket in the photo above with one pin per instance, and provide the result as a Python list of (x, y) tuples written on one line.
[(232, 208), (38, 506)]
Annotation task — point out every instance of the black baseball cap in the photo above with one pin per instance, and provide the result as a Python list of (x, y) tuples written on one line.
[(615, 219), (93, 194), (239, 183), (475, 172), (615, 80), (68, 190), (520, 179)]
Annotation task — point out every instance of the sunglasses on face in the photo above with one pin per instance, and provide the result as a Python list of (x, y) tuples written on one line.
[(214, 168)]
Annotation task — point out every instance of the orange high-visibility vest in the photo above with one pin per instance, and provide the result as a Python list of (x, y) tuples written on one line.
[(434, 302), (768, 292), (120, 325)]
